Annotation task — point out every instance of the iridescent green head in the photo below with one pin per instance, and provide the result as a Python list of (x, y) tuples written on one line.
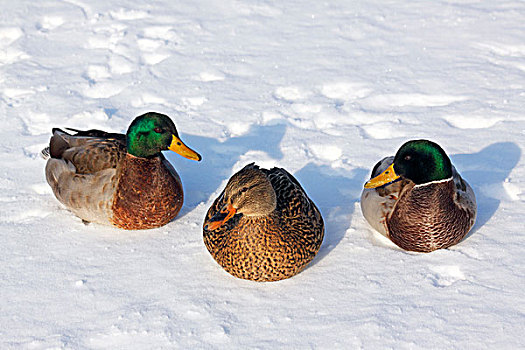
[(421, 161), (151, 133)]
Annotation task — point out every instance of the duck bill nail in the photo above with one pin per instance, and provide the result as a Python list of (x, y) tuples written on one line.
[(179, 147), (387, 176)]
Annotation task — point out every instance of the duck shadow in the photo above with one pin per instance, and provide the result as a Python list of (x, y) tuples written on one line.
[(202, 179), (335, 193), (486, 172)]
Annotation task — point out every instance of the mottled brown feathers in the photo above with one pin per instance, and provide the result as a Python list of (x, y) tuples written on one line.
[(426, 218), (271, 247), (88, 151)]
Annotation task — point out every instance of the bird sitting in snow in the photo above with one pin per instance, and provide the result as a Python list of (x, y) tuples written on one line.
[(263, 226), (418, 200), (117, 179)]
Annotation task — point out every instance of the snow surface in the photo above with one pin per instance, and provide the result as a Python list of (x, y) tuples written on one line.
[(324, 89)]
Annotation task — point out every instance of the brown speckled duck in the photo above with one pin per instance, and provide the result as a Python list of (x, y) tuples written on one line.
[(263, 226), (418, 200), (116, 179)]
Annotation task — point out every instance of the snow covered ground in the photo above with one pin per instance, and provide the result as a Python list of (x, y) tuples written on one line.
[(324, 89)]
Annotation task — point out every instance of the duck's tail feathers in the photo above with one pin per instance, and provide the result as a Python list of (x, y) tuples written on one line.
[(58, 143)]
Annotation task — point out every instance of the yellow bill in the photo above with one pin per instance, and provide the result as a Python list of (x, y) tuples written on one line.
[(179, 147), (389, 175)]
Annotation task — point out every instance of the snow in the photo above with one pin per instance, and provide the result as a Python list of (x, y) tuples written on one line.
[(324, 89)]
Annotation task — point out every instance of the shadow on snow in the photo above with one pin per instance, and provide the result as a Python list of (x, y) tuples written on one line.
[(202, 179), (486, 172), (335, 194)]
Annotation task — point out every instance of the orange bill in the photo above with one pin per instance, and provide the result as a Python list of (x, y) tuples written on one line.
[(213, 225), (179, 147), (387, 176)]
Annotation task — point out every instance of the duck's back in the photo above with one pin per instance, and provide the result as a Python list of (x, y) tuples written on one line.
[(298, 213)]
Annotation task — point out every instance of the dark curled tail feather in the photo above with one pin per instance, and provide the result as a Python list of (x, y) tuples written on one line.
[(45, 153)]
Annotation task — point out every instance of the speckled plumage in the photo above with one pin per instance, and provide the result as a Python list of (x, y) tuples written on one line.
[(91, 173), (270, 247), (420, 218)]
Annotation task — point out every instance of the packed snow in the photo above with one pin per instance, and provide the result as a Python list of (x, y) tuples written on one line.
[(324, 89)]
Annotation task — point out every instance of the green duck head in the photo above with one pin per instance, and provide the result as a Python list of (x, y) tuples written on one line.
[(151, 133), (420, 161)]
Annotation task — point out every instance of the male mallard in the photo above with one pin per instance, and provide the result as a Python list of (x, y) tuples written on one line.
[(418, 199), (263, 226), (116, 179)]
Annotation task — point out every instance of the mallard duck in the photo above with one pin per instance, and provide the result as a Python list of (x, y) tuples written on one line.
[(116, 179), (418, 200), (263, 226)]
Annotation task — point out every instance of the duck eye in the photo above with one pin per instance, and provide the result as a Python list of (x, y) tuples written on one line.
[(408, 157), (158, 130)]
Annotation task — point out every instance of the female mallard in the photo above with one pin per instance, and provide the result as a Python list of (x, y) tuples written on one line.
[(418, 199), (263, 226), (116, 179)]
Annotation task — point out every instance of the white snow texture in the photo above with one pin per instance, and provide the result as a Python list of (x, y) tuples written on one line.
[(322, 88)]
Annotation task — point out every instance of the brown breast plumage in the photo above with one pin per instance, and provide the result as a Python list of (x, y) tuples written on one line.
[(148, 195), (258, 250), (426, 218)]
